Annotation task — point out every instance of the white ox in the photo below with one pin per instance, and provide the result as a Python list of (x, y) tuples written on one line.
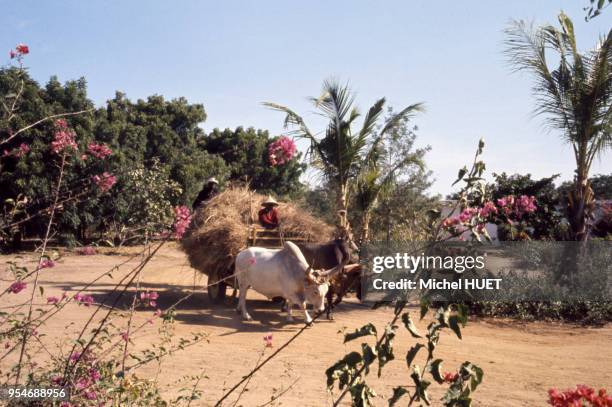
[(280, 273)]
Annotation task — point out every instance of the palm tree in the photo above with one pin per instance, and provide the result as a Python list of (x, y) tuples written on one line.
[(341, 153), (574, 96)]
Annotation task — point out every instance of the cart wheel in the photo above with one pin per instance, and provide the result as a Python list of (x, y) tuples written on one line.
[(216, 288)]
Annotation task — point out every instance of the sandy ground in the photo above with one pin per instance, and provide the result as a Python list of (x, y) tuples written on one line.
[(521, 361)]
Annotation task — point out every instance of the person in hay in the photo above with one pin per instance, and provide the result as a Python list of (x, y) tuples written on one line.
[(268, 215), (209, 190)]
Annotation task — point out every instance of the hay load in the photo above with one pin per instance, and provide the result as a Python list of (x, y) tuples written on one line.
[(220, 229)]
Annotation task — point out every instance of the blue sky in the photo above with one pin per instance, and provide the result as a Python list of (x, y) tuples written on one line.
[(233, 55)]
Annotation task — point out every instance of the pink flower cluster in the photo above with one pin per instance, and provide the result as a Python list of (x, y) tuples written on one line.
[(149, 298), (182, 219), (105, 181), (19, 51), (86, 300), (18, 152), (281, 150), (268, 340), (46, 264), (509, 205), (578, 397), (17, 287), (87, 251), (53, 300), (63, 137), (517, 206), (100, 151)]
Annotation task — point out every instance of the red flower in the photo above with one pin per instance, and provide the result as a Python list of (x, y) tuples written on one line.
[(450, 377), (22, 49)]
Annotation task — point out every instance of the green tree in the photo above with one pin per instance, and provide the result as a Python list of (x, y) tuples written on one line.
[(575, 97), (245, 153), (389, 164), (341, 153)]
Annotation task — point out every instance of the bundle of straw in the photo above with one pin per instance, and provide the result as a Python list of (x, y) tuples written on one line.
[(220, 229)]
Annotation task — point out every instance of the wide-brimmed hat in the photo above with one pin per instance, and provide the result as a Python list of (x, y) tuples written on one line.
[(212, 180), (270, 201)]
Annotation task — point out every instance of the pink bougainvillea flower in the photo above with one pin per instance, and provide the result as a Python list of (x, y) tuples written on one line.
[(46, 264), (487, 209), (87, 251), (105, 181), (100, 151), (52, 300), (158, 313), (22, 49), (75, 356), (64, 138), (86, 300), (252, 261), (17, 287), (94, 374), (281, 151), (182, 219), (12, 54), (125, 336), (268, 340), (149, 298), (467, 214), (22, 150)]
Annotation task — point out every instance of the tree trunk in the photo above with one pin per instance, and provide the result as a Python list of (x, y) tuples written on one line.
[(365, 227), (580, 201)]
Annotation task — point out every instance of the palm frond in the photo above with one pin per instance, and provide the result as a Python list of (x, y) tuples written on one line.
[(405, 114)]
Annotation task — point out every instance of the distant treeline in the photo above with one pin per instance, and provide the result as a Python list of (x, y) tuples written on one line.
[(161, 157)]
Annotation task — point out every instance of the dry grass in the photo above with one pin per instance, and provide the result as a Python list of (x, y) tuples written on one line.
[(220, 229)]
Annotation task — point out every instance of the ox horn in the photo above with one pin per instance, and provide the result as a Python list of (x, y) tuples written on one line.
[(327, 274)]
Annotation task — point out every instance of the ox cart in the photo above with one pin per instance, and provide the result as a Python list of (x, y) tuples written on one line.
[(220, 280)]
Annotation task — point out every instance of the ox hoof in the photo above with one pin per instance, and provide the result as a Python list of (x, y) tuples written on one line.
[(330, 317), (247, 317)]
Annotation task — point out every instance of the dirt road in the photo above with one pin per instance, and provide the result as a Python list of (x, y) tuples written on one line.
[(521, 360)]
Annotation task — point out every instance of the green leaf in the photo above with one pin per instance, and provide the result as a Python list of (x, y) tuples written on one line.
[(453, 322), (369, 356), (424, 306), (412, 352), (398, 393), (461, 174), (436, 372), (365, 330), (462, 313), (410, 326)]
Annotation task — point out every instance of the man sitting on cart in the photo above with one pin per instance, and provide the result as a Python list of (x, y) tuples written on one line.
[(210, 189), (268, 214)]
